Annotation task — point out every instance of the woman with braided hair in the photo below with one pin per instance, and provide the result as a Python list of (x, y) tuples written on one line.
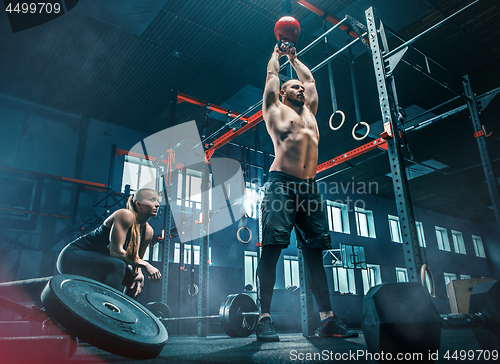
[(112, 253)]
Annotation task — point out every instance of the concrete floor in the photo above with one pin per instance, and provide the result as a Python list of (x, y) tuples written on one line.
[(293, 348)]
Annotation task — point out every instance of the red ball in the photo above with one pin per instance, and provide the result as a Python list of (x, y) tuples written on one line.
[(287, 28)]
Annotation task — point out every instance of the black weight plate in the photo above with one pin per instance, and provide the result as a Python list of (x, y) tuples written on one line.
[(160, 310), (233, 322), (104, 317), (224, 316)]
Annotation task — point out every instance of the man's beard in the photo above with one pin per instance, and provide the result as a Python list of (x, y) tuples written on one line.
[(297, 102)]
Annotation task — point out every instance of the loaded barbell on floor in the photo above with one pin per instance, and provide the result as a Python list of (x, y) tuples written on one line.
[(238, 315), (401, 318), (91, 311)]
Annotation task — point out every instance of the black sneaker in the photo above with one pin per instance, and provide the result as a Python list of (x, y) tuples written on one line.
[(334, 328), (265, 330)]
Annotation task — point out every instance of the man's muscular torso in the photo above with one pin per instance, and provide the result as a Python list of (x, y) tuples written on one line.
[(295, 137)]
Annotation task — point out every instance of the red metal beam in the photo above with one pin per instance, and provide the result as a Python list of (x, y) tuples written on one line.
[(29, 212), (377, 143), (330, 18), (53, 177), (251, 122), (221, 110), (231, 134), (120, 152)]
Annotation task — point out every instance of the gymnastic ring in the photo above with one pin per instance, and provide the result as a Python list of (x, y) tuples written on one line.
[(341, 123), (426, 268), (195, 290), (367, 130), (238, 235)]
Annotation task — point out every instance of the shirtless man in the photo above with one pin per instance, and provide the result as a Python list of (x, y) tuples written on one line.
[(291, 194)]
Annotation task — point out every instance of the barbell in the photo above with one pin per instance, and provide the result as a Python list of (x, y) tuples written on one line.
[(401, 318), (238, 315)]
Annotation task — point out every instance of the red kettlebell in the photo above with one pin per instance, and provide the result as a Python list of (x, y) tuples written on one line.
[(287, 29)]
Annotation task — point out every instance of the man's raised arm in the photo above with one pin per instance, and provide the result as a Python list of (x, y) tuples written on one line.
[(272, 88), (305, 76)]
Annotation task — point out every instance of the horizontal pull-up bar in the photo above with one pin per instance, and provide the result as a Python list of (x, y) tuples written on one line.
[(394, 33), (336, 54), (257, 117), (434, 27), (316, 41), (448, 113)]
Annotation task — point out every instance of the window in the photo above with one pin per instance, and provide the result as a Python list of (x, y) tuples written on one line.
[(371, 276), (458, 242), (291, 271), (448, 277), (364, 222), (478, 246), (187, 254), (250, 265), (139, 173), (401, 275), (155, 253), (395, 229), (343, 280), (353, 256), (193, 188), (420, 234), (442, 239), (465, 276), (429, 283), (252, 199), (338, 217)]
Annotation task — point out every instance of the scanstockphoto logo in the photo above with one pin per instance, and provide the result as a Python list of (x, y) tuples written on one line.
[(227, 192)]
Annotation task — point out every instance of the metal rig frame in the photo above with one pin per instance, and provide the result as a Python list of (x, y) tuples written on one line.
[(384, 63)]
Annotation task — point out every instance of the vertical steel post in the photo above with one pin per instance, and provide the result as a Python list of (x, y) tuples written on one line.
[(389, 108), (306, 299), (111, 174), (483, 150), (167, 246), (204, 252), (181, 230)]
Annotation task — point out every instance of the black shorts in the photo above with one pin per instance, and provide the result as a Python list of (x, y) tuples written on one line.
[(294, 202)]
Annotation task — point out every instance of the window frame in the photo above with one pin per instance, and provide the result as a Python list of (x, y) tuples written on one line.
[(443, 244), (291, 271), (371, 277), (144, 165), (350, 280), (395, 219), (399, 271), (478, 249), (250, 278), (370, 225), (420, 233), (458, 242), (343, 217)]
